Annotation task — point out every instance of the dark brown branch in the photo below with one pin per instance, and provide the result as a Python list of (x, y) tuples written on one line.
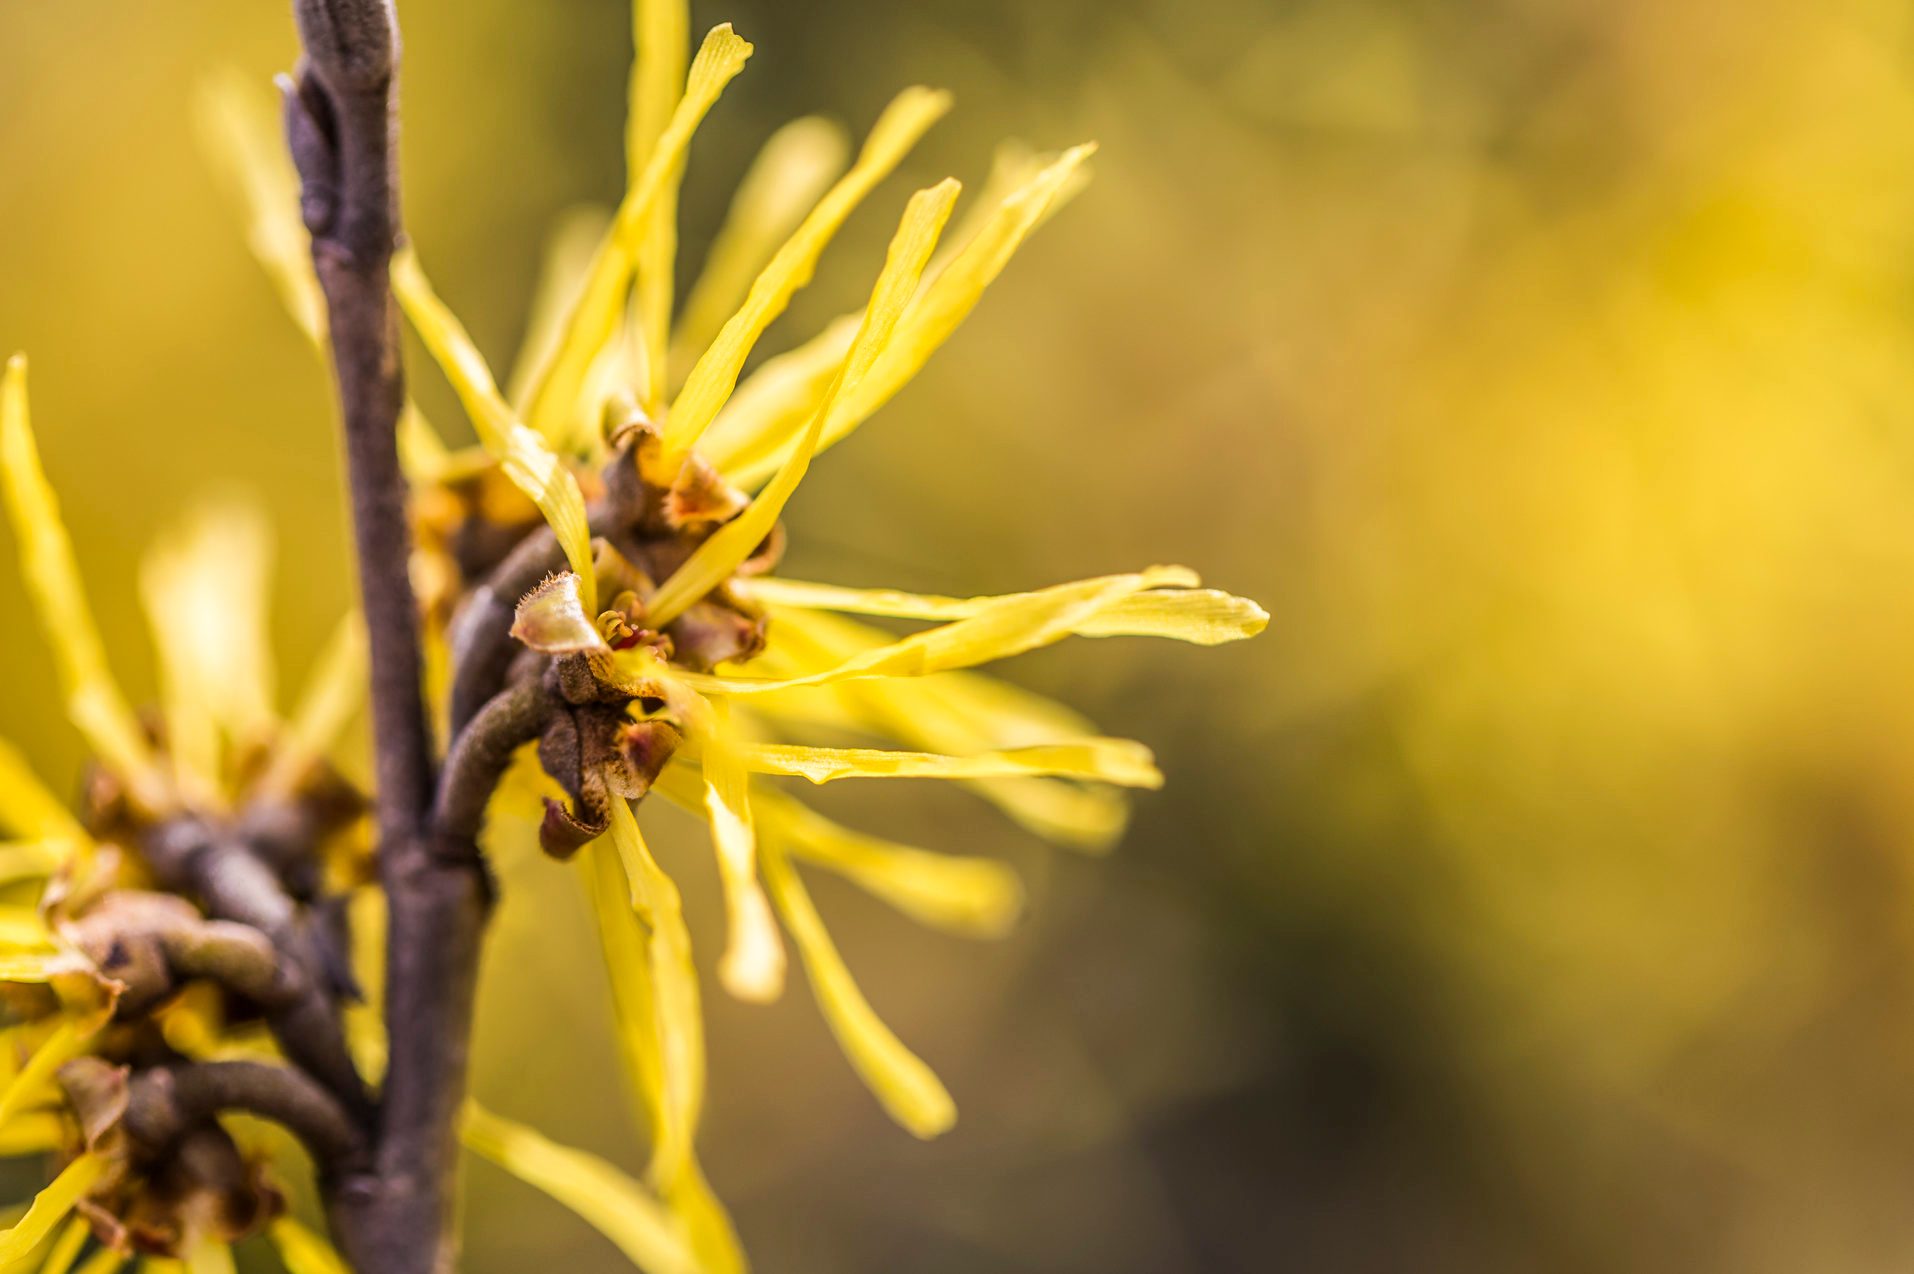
[(236, 956), (340, 126), (165, 1102), (152, 943), (232, 884), (480, 634), (482, 751), (438, 905)]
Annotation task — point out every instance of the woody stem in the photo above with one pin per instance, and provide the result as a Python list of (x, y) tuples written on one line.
[(340, 123)]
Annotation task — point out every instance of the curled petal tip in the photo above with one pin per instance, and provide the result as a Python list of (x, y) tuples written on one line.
[(752, 979), (552, 619), (563, 833)]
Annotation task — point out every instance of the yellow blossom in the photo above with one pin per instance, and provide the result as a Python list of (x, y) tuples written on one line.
[(677, 613), (220, 744)]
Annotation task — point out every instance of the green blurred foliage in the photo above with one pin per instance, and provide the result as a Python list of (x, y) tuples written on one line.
[(1533, 895)]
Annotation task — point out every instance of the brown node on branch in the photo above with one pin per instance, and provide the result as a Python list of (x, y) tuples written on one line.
[(161, 1197), (596, 753), (154, 944), (648, 519)]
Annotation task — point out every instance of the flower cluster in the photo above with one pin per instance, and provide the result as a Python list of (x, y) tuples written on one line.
[(167, 950), (598, 580)]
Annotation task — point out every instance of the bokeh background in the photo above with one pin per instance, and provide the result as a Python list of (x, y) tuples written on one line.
[(1535, 894)]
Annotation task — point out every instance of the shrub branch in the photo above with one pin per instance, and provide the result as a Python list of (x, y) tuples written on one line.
[(340, 125)]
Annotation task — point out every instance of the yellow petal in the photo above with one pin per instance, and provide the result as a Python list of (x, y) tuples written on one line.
[(93, 698), (1203, 616), (21, 928), (435, 676), (714, 1241), (909, 1090), (785, 180), (568, 255), (191, 1024), (775, 402), (28, 967), (954, 712), (611, 1202), (996, 628), (27, 808), (919, 714), (992, 711), (520, 452), (85, 994), (891, 603), (558, 408), (204, 585), (772, 405), (1121, 761), (662, 28), (716, 559), (365, 1020), (624, 942), (1088, 819), (753, 964), (944, 303), (933, 714), (716, 373), (62, 1046), (209, 1257), (678, 1024), (32, 1133), (624, 368), (332, 694), (950, 297), (50, 1206), (104, 1261), (1013, 166), (626, 945), (67, 1247), (302, 1251), (240, 129), (975, 896), (423, 456), (995, 712)]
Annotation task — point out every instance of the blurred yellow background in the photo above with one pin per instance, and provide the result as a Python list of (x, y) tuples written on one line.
[(1535, 894)]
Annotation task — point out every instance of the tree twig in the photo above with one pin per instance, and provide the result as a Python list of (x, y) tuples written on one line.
[(340, 125), (164, 1102), (151, 943), (479, 635), (232, 884), (482, 751)]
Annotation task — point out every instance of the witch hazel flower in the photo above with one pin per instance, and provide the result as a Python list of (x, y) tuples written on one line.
[(600, 587), (175, 949)]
